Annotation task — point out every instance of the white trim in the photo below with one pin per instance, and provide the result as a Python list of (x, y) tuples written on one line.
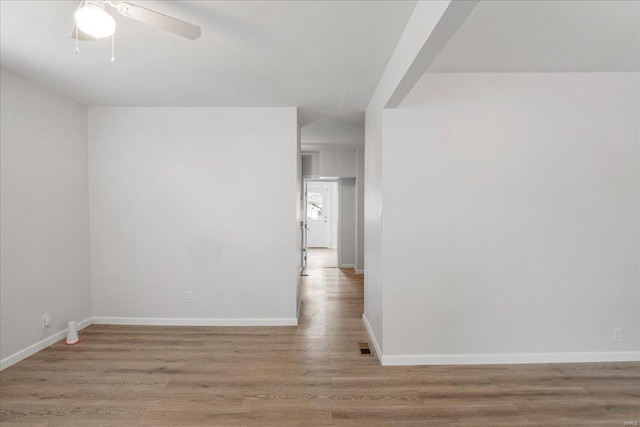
[(509, 358), (347, 266), (358, 271), (372, 337), (177, 321), (40, 345), (497, 359)]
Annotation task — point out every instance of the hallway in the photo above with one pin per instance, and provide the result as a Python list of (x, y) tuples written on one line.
[(286, 376)]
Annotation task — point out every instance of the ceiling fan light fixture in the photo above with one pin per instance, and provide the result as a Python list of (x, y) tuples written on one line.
[(92, 19)]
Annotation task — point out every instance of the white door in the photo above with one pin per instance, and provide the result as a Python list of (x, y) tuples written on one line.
[(318, 220)]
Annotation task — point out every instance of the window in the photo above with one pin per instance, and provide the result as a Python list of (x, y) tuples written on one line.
[(314, 205)]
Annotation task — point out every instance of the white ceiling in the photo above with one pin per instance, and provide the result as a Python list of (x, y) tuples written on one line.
[(545, 36), (325, 57)]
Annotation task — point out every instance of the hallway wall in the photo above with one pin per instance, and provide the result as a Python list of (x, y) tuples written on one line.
[(44, 216), (511, 219), (348, 218), (346, 164), (176, 207)]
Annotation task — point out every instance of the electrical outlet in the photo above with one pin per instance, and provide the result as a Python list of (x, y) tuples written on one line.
[(617, 334), (188, 296), (46, 321)]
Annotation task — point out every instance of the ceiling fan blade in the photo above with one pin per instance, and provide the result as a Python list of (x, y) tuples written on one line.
[(82, 36), (159, 20)]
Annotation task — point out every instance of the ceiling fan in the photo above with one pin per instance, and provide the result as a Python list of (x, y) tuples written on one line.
[(96, 21)]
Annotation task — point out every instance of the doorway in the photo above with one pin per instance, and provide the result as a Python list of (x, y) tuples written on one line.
[(321, 204)]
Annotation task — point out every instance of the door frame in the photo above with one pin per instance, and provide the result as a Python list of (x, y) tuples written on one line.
[(305, 248)]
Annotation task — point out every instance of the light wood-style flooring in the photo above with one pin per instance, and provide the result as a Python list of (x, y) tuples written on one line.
[(305, 376), (322, 257)]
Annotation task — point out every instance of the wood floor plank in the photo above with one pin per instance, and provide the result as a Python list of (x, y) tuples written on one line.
[(313, 374), (55, 414)]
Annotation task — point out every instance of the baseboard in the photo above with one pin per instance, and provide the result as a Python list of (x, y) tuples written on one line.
[(510, 358), (353, 267), (372, 337), (176, 321), (40, 345), (497, 359)]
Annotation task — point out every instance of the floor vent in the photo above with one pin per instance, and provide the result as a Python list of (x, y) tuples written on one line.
[(364, 348)]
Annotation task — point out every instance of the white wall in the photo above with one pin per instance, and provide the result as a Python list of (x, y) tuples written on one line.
[(337, 163), (335, 219), (373, 315), (44, 211), (511, 219), (360, 212), (176, 206), (412, 49), (348, 219), (300, 215), (310, 168)]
